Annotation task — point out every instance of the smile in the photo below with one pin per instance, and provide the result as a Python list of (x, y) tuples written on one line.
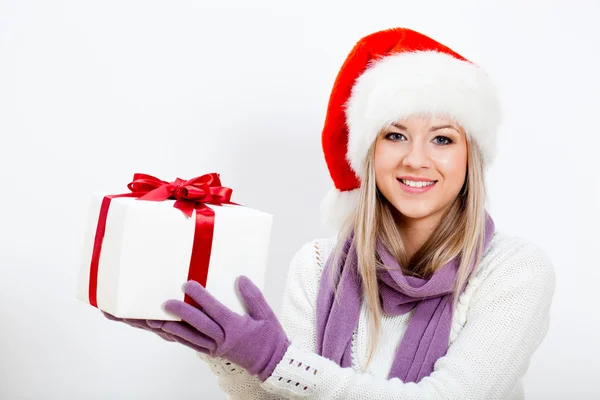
[(416, 187)]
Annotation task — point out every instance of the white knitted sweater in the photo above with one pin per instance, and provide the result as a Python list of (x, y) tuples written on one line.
[(501, 319)]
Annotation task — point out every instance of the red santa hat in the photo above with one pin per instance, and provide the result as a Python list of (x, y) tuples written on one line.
[(390, 75)]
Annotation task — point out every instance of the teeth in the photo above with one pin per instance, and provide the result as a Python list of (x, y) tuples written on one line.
[(416, 184)]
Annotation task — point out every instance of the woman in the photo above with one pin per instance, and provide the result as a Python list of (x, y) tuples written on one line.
[(418, 296)]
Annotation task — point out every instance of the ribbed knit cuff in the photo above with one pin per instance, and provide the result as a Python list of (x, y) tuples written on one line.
[(222, 367), (297, 375), (275, 359)]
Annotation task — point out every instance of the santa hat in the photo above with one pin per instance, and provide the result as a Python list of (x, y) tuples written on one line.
[(390, 75)]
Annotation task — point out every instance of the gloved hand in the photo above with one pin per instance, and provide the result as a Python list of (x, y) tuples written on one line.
[(145, 324), (155, 327), (255, 341)]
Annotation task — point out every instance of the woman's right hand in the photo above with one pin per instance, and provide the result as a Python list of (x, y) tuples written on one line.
[(145, 324), (156, 326)]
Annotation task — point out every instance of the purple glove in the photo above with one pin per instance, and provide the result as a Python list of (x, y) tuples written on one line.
[(255, 341), (155, 326), (147, 325)]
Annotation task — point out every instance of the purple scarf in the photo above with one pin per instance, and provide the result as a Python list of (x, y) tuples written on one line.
[(426, 338)]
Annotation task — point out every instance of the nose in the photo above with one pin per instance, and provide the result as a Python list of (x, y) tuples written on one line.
[(416, 156)]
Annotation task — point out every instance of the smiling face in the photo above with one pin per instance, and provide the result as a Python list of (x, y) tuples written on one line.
[(420, 166)]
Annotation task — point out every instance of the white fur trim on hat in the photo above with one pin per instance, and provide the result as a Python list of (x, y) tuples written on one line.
[(424, 82), (336, 206)]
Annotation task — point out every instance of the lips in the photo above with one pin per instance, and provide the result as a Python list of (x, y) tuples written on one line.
[(415, 180), (415, 190)]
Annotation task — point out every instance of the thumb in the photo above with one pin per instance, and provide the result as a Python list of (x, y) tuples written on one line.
[(256, 305)]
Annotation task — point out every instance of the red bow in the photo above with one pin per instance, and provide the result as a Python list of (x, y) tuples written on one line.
[(188, 194)]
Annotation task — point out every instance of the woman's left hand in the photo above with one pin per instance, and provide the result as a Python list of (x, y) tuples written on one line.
[(255, 341)]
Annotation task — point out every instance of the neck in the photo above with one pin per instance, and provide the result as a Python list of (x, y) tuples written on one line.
[(415, 232)]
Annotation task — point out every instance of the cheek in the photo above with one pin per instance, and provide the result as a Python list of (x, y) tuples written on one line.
[(453, 165), (385, 157), (383, 165)]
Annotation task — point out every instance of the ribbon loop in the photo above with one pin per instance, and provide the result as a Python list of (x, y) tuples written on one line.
[(189, 194)]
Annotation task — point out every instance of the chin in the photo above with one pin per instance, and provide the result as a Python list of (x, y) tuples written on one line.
[(415, 215), (418, 211)]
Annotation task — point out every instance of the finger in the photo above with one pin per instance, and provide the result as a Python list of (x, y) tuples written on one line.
[(154, 324), (136, 323), (196, 318), (111, 317), (148, 325), (189, 334), (210, 305), (131, 322), (191, 345), (256, 304), (165, 336)]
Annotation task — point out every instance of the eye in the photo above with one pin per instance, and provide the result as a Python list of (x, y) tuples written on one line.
[(447, 140), (394, 136)]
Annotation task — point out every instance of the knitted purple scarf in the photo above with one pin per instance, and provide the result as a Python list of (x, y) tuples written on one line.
[(426, 338)]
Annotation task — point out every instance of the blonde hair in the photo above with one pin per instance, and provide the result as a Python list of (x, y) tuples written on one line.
[(460, 231)]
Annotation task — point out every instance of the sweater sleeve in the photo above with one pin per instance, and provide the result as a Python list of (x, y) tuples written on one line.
[(300, 297), (507, 320), (235, 381)]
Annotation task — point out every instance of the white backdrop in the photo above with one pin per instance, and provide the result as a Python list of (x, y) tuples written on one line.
[(91, 92)]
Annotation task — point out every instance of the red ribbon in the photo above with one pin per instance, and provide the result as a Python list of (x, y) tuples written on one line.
[(189, 196)]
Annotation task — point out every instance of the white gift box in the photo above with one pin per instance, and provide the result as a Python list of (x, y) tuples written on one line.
[(146, 250)]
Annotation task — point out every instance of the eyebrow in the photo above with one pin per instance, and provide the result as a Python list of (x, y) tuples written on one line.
[(433, 129)]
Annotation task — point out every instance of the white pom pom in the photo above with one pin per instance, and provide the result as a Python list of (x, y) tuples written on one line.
[(336, 206)]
